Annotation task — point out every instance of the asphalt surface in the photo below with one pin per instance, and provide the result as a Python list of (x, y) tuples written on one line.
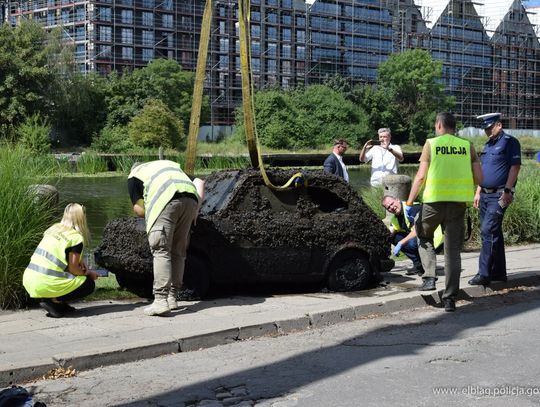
[(113, 332)]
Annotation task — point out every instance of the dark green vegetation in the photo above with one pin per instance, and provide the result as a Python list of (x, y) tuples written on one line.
[(41, 89), (22, 220)]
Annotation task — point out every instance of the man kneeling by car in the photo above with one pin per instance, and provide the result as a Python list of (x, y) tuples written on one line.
[(404, 233)]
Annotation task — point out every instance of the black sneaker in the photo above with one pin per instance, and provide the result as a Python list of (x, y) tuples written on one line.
[(53, 310), (449, 305), (480, 280), (428, 284)]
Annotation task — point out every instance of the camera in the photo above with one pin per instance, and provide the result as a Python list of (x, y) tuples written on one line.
[(375, 142)]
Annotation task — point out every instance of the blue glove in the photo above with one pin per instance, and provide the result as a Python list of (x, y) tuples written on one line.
[(409, 211), (397, 249)]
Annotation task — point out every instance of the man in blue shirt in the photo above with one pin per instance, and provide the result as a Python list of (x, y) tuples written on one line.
[(501, 162)]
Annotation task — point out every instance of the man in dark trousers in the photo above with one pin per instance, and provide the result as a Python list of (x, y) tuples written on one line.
[(448, 172), (501, 162), (334, 162)]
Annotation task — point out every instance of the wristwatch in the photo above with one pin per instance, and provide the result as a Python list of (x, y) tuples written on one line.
[(390, 149), (507, 190)]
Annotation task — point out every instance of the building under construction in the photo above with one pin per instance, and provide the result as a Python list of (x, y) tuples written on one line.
[(489, 51)]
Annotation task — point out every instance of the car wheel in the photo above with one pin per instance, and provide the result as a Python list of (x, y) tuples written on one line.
[(136, 284), (196, 279), (349, 271)]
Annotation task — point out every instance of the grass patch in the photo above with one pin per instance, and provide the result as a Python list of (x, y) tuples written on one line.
[(107, 288)]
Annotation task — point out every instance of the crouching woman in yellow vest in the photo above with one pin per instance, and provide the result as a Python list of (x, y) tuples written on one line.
[(56, 274)]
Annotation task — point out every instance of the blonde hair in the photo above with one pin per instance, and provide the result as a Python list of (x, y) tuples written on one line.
[(75, 218)]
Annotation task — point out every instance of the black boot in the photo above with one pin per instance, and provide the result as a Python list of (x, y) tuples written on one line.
[(53, 310)]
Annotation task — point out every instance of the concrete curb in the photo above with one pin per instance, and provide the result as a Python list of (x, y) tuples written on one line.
[(150, 349)]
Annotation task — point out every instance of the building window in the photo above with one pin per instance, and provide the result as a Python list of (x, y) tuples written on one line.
[(167, 20), (147, 54), (286, 19), (300, 36), (126, 2), (147, 18), (127, 36), (127, 53), (80, 33), (80, 51), (255, 64), (301, 21), (127, 16), (272, 18), (271, 66), (80, 14), (51, 18), (300, 52), (286, 51), (148, 3), (286, 34), (104, 14), (167, 5), (224, 62), (255, 48), (255, 16), (105, 51), (286, 67), (223, 45), (272, 50), (148, 37), (105, 33), (271, 33), (170, 40), (256, 31)]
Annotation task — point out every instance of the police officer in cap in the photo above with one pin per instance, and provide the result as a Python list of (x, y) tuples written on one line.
[(501, 162)]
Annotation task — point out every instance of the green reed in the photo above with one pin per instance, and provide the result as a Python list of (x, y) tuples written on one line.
[(23, 219)]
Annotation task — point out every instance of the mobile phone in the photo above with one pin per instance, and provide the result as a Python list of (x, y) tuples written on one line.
[(375, 142)]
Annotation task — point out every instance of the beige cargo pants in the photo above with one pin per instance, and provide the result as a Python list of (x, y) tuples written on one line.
[(169, 239)]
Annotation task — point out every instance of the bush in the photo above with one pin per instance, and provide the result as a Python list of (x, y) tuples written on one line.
[(156, 126), (112, 139), (33, 134), (22, 220)]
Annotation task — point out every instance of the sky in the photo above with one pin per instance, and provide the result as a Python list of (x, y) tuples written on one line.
[(531, 3)]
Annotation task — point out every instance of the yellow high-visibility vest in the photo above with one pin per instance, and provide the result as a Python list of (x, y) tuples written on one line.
[(450, 177), (438, 236), (46, 275), (161, 179)]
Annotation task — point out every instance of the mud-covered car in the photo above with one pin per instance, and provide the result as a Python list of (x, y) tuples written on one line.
[(321, 232)]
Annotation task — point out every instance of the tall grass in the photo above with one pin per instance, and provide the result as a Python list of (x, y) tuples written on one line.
[(22, 220), (91, 163)]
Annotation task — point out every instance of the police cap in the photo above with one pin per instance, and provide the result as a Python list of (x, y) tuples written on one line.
[(489, 119)]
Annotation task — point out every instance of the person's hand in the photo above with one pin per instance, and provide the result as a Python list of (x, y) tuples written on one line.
[(92, 274), (397, 249), (476, 200), (506, 199), (408, 211), (368, 145)]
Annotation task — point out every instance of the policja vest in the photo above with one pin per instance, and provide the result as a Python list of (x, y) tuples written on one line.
[(438, 237), (162, 179), (449, 178), (46, 275)]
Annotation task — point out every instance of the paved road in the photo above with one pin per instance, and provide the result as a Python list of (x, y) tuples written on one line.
[(484, 355)]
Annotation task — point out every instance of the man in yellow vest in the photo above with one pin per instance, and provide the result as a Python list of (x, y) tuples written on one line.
[(169, 201), (449, 170)]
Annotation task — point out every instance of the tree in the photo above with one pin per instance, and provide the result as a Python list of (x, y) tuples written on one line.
[(410, 87), (308, 117), (24, 75), (161, 79), (155, 125)]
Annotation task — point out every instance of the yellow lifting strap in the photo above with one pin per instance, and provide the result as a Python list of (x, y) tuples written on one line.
[(191, 149), (248, 102)]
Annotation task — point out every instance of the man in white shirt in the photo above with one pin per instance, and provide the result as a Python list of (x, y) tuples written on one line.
[(383, 155), (334, 162)]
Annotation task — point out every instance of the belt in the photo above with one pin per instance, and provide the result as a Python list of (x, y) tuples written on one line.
[(491, 190), (179, 195)]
